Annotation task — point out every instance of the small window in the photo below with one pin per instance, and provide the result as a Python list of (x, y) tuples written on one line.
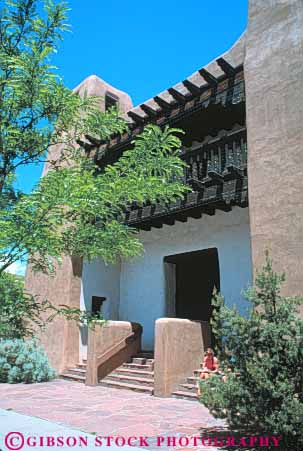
[(97, 302), (110, 101)]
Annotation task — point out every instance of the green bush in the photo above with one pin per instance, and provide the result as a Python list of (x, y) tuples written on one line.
[(264, 394), (23, 361), (23, 315)]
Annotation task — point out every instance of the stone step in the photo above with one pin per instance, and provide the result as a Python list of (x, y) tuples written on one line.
[(129, 379), (79, 371), (81, 365), (140, 373), (145, 354), (197, 372), (72, 377), (139, 360), (150, 361), (136, 366), (189, 387), (192, 379), (185, 395), (124, 386)]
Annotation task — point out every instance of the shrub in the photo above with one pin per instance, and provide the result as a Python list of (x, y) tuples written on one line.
[(23, 361), (266, 396), (23, 315)]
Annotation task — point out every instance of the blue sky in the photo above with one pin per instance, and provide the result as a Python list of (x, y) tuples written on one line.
[(143, 47)]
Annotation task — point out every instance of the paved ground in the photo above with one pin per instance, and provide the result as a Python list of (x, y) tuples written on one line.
[(111, 412), (30, 429)]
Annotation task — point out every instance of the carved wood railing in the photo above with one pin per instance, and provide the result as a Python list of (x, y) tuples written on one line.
[(217, 174), (216, 159)]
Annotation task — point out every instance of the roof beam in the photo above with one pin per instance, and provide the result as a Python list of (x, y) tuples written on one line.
[(145, 227), (193, 89), (227, 68), (181, 217), (148, 110), (195, 214), (169, 220), (162, 103), (177, 95), (95, 141), (158, 224), (223, 206), (208, 210), (136, 117), (208, 77)]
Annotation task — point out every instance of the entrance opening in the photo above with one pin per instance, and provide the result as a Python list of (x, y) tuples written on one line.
[(192, 277)]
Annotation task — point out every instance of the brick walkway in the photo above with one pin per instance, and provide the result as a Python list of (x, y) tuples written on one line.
[(110, 412)]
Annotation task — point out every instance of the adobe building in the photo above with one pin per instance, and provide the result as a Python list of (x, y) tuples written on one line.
[(243, 120)]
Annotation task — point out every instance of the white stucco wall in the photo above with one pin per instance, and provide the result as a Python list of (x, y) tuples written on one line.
[(142, 280), (103, 280)]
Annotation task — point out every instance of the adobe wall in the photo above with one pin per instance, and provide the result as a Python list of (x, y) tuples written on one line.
[(274, 99), (142, 283), (61, 339), (64, 288), (99, 279)]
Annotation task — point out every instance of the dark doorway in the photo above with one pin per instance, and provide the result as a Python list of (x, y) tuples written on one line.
[(197, 274)]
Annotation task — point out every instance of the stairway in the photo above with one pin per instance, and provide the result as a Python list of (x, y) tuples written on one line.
[(188, 390), (137, 375), (77, 373)]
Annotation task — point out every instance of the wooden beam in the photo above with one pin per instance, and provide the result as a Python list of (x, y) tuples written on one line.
[(145, 227), (195, 183), (177, 95), (136, 117), (235, 171), (86, 146), (95, 141), (148, 110), (163, 103), (169, 220), (181, 217), (208, 77), (195, 214), (210, 211), (223, 206), (226, 67), (193, 89), (215, 176), (158, 224)]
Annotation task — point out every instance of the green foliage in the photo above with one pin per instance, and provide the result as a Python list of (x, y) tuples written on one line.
[(23, 315), (265, 392), (23, 361), (77, 208)]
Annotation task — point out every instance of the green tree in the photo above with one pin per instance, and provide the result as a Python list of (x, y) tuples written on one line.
[(265, 392), (77, 208)]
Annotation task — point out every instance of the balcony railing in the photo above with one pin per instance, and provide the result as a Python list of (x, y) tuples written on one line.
[(217, 174)]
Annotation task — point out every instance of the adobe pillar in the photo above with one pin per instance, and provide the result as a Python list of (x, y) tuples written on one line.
[(274, 96), (61, 337)]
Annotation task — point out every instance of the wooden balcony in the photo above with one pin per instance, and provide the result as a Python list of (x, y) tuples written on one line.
[(217, 174)]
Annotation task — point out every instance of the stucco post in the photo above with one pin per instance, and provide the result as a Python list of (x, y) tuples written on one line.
[(179, 349), (61, 337), (109, 346), (274, 100)]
